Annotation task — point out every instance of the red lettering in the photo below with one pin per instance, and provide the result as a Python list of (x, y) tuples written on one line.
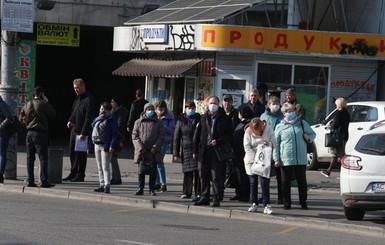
[(308, 42), (23, 98), (24, 62), (258, 38), (24, 74), (281, 41), (19, 108), (382, 46), (334, 43), (235, 35), (23, 87), (210, 33)]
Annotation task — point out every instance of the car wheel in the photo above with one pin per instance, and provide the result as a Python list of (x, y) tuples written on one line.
[(354, 213), (312, 162)]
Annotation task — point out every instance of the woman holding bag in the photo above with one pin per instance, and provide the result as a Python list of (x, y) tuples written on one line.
[(290, 153), (257, 132)]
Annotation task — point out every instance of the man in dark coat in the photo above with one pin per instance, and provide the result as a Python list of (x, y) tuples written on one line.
[(255, 105), (83, 112), (136, 109), (213, 130)]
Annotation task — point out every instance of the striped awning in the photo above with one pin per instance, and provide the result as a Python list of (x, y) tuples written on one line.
[(155, 68)]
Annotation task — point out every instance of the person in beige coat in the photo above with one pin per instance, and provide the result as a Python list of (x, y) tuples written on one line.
[(148, 138), (257, 132)]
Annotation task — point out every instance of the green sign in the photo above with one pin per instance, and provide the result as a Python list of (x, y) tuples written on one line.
[(58, 35)]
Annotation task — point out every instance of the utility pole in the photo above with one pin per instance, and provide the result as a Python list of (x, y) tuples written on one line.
[(9, 91)]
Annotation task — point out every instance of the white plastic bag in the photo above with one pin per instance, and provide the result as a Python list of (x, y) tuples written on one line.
[(262, 161)]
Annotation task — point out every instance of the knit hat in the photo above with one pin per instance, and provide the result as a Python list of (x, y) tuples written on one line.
[(148, 105)]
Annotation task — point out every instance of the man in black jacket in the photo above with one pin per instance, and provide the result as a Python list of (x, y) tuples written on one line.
[(213, 130), (136, 109), (83, 112)]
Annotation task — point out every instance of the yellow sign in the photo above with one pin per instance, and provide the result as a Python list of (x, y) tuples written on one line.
[(335, 43), (58, 35)]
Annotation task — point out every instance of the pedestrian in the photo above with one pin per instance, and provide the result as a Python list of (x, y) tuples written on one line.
[(136, 109), (120, 113), (273, 116), (147, 137), (105, 135), (340, 125), (291, 97), (230, 177), (257, 132), (36, 115), (290, 153), (242, 192), (80, 125), (255, 104), (183, 148), (167, 118), (213, 130), (6, 118)]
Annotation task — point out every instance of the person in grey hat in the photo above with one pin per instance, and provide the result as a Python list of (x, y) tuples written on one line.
[(147, 138), (36, 115)]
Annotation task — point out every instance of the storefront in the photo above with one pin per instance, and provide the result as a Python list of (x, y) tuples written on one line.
[(322, 66)]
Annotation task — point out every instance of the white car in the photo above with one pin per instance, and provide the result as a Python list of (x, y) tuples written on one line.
[(362, 115), (362, 177)]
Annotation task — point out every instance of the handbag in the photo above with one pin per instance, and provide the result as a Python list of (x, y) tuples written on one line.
[(308, 145), (146, 166), (333, 139), (223, 152), (16, 126), (262, 161)]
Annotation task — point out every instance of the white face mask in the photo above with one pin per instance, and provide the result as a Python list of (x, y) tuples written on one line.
[(213, 108), (274, 108)]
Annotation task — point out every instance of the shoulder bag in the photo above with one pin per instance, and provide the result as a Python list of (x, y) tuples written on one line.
[(333, 139), (224, 152)]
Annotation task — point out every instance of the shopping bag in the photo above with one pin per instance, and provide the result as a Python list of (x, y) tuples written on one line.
[(262, 161), (146, 166)]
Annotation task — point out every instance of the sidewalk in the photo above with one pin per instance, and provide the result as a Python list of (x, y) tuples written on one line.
[(325, 207)]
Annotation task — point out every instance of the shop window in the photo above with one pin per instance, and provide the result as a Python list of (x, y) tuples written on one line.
[(233, 84), (276, 75)]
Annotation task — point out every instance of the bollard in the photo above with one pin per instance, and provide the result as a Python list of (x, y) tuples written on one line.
[(55, 166)]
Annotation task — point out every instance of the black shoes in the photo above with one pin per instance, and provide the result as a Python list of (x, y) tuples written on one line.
[(107, 189), (197, 198), (31, 184), (77, 179), (46, 184), (152, 193), (216, 203), (139, 192), (287, 207), (100, 189), (69, 177), (115, 182), (202, 202), (304, 206)]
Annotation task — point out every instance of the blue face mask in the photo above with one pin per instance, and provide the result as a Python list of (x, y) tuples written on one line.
[(291, 115), (190, 112), (150, 113)]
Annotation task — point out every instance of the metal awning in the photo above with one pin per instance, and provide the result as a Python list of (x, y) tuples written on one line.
[(200, 11), (155, 68)]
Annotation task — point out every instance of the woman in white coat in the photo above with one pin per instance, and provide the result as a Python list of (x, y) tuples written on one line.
[(257, 132)]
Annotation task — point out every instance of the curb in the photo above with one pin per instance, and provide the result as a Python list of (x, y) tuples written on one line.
[(200, 210)]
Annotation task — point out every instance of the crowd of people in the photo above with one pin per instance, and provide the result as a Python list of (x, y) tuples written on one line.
[(196, 140)]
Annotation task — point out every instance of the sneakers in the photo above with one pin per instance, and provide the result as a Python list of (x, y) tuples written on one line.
[(139, 192), (253, 208), (107, 189), (268, 209), (100, 189), (163, 188), (325, 173), (185, 197)]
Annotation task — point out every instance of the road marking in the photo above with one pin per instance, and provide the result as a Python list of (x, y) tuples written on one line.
[(133, 242), (288, 230)]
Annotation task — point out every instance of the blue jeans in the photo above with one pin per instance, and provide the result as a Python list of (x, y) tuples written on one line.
[(37, 142), (4, 140), (161, 174), (265, 186)]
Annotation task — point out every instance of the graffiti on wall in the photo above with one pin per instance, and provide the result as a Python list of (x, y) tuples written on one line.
[(359, 47), (137, 39), (182, 39)]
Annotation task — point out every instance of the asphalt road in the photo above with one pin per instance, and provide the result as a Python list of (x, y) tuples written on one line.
[(30, 219)]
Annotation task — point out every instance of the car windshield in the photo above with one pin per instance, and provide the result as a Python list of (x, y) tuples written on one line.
[(372, 144)]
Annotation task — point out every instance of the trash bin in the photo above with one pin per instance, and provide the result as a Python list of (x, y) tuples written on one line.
[(55, 165)]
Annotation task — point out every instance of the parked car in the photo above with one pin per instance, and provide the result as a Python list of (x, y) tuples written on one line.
[(362, 115), (362, 177)]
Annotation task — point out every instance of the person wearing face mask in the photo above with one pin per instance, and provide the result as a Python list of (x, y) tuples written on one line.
[(213, 130), (183, 147), (273, 116), (290, 153), (168, 121), (148, 137), (105, 134)]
